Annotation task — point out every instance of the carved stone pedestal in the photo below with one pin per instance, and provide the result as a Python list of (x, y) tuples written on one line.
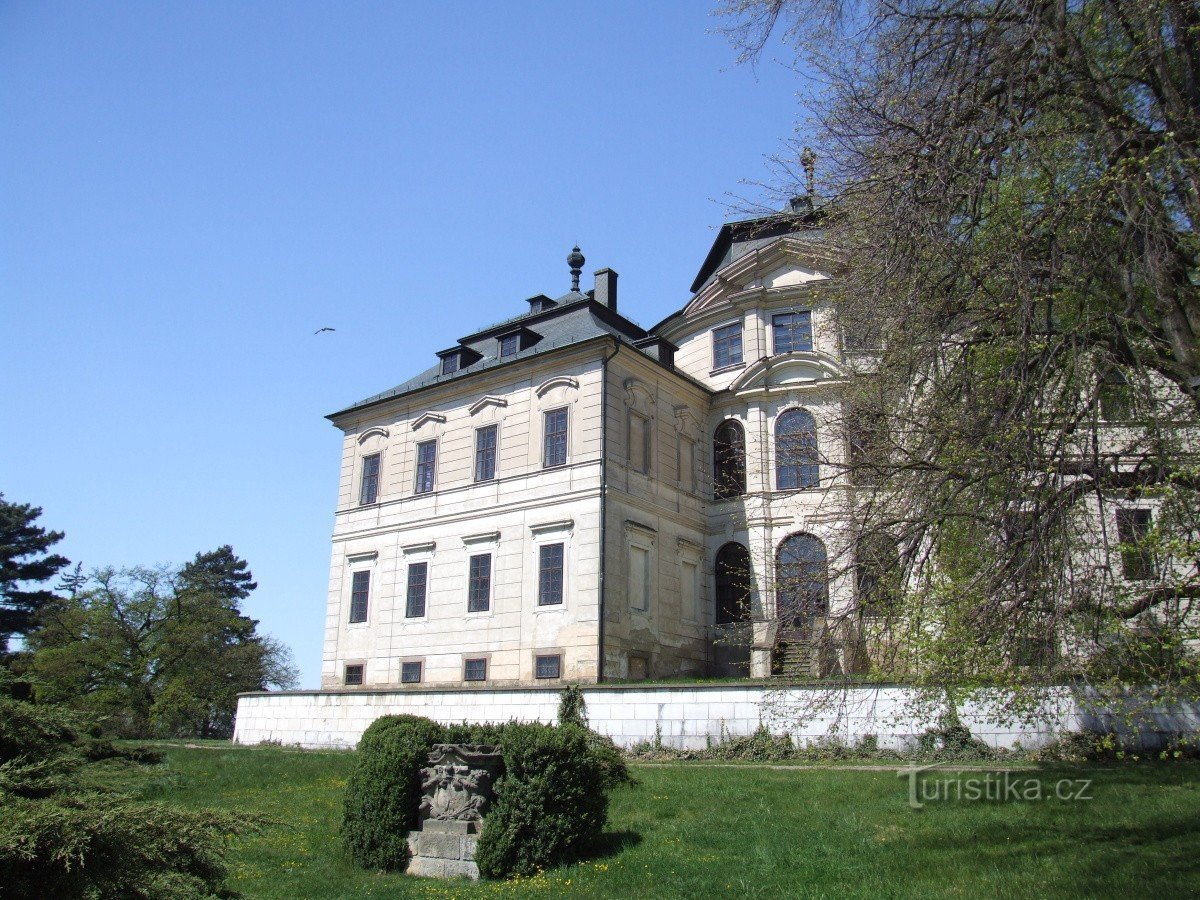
[(456, 792)]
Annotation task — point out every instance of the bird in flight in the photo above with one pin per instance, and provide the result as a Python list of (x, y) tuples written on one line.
[(326, 328)]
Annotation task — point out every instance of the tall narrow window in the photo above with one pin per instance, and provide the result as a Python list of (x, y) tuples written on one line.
[(732, 578), (485, 453), (368, 491), (360, 591), (554, 448), (479, 583), (550, 574), (687, 463), (426, 464), (509, 345), (801, 581), (876, 574), (639, 578), (1133, 527), (1116, 397), (639, 443), (796, 451), (727, 345), (793, 331), (689, 591), (418, 581), (729, 460)]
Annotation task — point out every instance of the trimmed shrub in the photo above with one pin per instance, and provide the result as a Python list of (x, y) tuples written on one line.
[(383, 794), (551, 803)]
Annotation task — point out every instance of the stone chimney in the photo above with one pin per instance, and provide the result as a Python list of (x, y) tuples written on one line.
[(606, 288)]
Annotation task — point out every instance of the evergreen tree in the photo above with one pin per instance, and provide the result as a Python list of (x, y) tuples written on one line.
[(24, 562)]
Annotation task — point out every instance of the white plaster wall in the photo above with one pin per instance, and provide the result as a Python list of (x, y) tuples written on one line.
[(683, 717)]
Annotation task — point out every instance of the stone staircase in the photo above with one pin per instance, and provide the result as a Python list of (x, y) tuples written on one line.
[(796, 659)]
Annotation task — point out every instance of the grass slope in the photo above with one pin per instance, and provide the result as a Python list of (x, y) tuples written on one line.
[(690, 830)]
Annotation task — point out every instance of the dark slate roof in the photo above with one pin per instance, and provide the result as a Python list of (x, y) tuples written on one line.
[(737, 238), (575, 319)]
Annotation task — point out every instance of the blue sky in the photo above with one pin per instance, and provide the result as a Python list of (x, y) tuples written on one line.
[(188, 191)]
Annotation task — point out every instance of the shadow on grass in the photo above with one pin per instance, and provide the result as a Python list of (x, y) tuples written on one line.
[(610, 843)]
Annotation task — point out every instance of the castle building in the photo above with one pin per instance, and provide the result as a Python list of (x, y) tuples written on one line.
[(566, 495)]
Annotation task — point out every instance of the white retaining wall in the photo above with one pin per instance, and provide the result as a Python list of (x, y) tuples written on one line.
[(684, 717)]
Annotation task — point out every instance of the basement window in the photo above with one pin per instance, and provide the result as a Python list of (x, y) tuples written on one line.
[(354, 675)]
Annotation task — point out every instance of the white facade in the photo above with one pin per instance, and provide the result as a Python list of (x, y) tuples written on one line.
[(628, 503)]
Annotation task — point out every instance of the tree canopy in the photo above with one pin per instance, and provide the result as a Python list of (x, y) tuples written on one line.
[(1014, 187)]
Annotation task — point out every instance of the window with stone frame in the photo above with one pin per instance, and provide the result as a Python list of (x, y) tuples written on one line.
[(727, 345), (639, 442), (479, 583), (549, 666), (796, 451), (426, 466), (1133, 529), (353, 674), (554, 442), (792, 331), (411, 672), (550, 574), (801, 582), (732, 579), (475, 669), (729, 460), (360, 591), (417, 586), (485, 452), (639, 578), (368, 490)]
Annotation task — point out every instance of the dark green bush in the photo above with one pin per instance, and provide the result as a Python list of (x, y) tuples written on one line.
[(383, 794), (551, 803)]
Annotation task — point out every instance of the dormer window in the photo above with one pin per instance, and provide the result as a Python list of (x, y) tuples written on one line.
[(451, 363), (457, 358), (510, 344)]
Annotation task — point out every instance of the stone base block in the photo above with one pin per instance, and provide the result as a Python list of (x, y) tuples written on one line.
[(446, 851), (449, 826), (423, 866)]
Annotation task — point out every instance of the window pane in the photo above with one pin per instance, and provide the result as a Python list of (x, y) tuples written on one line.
[(729, 461), (733, 584), (796, 451), (550, 575), (426, 459), (360, 589), (418, 578), (475, 670), (410, 673), (555, 449), (451, 363), (793, 331), (369, 490), (1133, 526), (485, 453), (727, 345), (354, 675), (548, 666), (509, 345), (479, 589)]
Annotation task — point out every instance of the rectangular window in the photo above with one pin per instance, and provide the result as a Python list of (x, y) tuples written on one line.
[(426, 462), (547, 666), (451, 363), (639, 578), (368, 491), (550, 575), (485, 453), (410, 673), (354, 675), (793, 331), (554, 451), (509, 345), (1133, 526), (475, 670), (360, 590), (418, 581), (727, 345), (479, 590)]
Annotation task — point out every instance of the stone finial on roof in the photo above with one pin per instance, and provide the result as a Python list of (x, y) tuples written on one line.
[(808, 160), (575, 260)]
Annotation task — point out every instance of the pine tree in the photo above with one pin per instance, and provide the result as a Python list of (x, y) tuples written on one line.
[(24, 562)]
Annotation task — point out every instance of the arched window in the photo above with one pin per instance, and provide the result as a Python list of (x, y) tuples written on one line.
[(733, 584), (801, 581), (796, 451), (729, 460), (876, 574)]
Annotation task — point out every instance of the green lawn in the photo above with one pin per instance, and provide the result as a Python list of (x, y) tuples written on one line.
[(689, 830)]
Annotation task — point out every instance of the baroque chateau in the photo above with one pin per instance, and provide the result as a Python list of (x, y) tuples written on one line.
[(567, 496)]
